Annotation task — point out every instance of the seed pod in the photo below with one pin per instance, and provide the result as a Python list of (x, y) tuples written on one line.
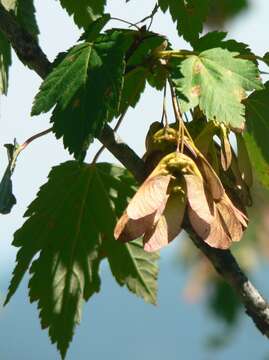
[(169, 224)]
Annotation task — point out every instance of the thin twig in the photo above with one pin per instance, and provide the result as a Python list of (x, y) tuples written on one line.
[(125, 22), (178, 117), (177, 112), (150, 17), (34, 137), (19, 148)]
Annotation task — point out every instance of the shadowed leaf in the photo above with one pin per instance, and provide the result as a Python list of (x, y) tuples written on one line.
[(189, 15), (84, 11), (86, 86), (256, 137), (66, 234), (94, 29), (7, 199)]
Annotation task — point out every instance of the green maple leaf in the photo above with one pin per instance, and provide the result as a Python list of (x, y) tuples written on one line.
[(216, 39), (256, 137), (217, 81), (189, 15), (86, 85), (95, 28), (69, 227), (141, 67), (65, 79), (84, 11), (134, 85)]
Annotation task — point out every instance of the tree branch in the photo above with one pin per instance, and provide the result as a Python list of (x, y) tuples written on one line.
[(123, 153), (225, 264), (24, 44)]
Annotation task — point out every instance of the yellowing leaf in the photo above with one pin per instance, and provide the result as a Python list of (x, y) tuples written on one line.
[(222, 80)]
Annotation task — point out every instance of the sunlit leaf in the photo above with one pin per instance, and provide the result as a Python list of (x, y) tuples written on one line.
[(216, 39), (213, 75)]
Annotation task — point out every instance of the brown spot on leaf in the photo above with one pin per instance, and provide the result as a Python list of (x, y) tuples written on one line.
[(76, 103), (197, 69), (240, 94), (196, 90), (70, 58)]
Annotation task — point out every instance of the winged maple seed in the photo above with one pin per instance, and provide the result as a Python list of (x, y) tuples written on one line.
[(157, 210)]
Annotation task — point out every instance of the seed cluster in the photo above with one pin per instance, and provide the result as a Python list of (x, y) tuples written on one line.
[(206, 182)]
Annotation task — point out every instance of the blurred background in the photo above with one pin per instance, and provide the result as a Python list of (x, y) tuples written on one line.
[(197, 316)]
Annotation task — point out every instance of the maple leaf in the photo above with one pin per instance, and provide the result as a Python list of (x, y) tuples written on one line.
[(217, 74), (189, 15), (256, 136), (84, 11), (65, 238)]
